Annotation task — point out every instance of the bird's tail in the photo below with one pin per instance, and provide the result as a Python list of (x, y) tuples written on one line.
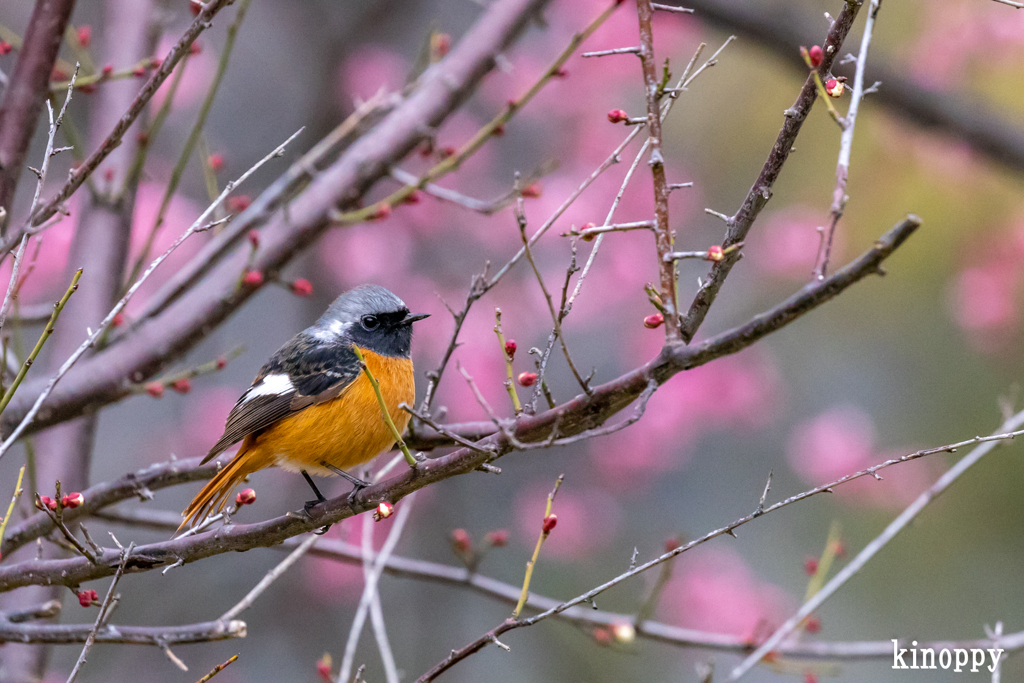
[(214, 495)]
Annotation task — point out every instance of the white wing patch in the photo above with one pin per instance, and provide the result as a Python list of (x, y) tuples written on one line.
[(272, 385)]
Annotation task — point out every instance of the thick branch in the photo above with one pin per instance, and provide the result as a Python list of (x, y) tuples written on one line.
[(163, 636), (27, 90), (761, 191), (571, 418)]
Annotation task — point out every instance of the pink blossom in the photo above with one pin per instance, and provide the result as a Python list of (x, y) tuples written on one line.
[(368, 69), (983, 298), (194, 82), (715, 590), (787, 243)]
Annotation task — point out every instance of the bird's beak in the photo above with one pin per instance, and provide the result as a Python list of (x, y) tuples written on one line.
[(413, 317)]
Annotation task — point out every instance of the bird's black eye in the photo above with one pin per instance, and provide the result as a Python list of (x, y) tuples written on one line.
[(370, 322)]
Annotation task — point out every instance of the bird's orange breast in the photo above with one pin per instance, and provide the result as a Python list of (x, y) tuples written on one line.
[(343, 432)]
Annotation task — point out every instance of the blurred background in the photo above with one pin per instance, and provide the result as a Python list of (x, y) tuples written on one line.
[(919, 358)]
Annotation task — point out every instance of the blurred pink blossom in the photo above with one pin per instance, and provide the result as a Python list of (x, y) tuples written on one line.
[(588, 519), (787, 243), (195, 81), (715, 590), (368, 69), (204, 415), (983, 302), (841, 441)]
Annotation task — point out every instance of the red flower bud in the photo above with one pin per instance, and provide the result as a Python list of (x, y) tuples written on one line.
[(72, 500), (603, 636), (715, 253), (108, 175), (460, 540), (195, 7), (446, 152), (671, 544), (497, 538), (834, 87), (510, 348), (5, 47), (142, 139), (245, 497), (654, 320), (323, 668), (222, 363), (499, 130), (155, 389), (58, 75), (413, 197), (87, 88), (384, 510), (182, 386), (810, 677), (239, 203), (46, 502), (253, 278), (617, 116), (816, 55), (839, 549), (155, 62), (591, 237), (811, 566), (532, 191), (527, 379), (87, 598), (560, 73), (84, 35), (302, 287), (107, 71), (254, 238), (216, 161), (813, 625), (139, 72), (195, 48), (549, 523), (118, 320), (383, 211)]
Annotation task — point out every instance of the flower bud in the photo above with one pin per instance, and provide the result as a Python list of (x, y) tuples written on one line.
[(549, 523), (527, 379), (671, 544), (383, 211), (216, 161), (532, 191), (195, 48), (5, 47), (591, 237), (107, 71), (302, 287), (811, 566), (816, 55), (118, 320), (182, 386), (813, 625), (254, 238), (84, 35), (222, 363), (460, 540), (654, 320), (72, 500), (155, 389), (497, 538), (617, 116), (239, 203), (715, 253), (87, 598), (46, 502), (510, 348), (195, 7), (413, 197), (139, 72), (834, 87), (245, 497), (384, 510), (323, 668), (253, 278), (440, 45)]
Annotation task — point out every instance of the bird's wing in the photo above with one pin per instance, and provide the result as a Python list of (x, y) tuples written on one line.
[(304, 372)]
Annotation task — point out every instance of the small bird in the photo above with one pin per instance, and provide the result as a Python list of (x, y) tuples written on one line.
[(311, 408)]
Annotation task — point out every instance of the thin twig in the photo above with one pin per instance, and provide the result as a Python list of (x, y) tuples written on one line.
[(509, 381), (547, 524), (399, 441), (272, 576), (370, 587), (217, 669), (50, 151), (839, 197), (105, 610), (14, 500), (984, 446)]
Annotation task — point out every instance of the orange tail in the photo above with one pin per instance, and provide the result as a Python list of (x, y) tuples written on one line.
[(214, 495)]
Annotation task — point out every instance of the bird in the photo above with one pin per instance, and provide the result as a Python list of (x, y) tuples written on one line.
[(311, 408)]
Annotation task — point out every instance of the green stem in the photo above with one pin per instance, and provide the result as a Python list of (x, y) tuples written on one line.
[(58, 307), (525, 594), (10, 508), (509, 383), (384, 409)]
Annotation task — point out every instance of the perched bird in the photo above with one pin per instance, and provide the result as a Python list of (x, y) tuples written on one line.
[(311, 408)]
